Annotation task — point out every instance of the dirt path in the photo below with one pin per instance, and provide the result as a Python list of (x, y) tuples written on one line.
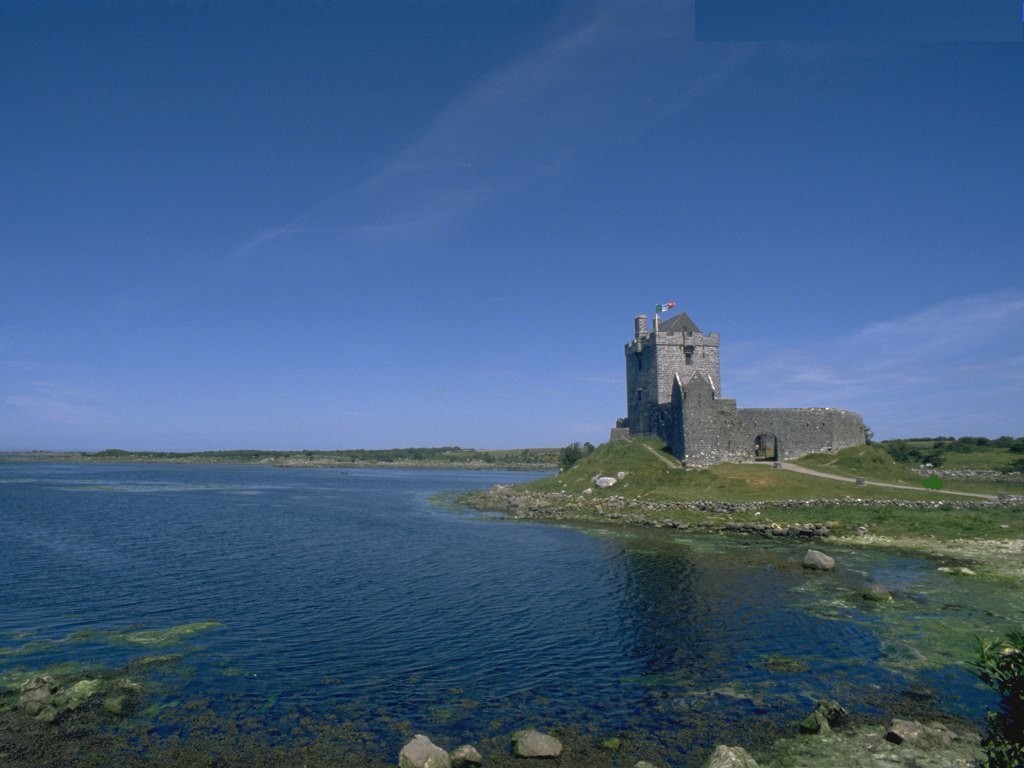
[(671, 463), (816, 473)]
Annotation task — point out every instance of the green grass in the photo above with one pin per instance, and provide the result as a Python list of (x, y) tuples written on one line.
[(648, 479), (874, 463), (869, 461)]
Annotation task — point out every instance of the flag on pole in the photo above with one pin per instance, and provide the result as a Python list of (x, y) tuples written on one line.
[(659, 308)]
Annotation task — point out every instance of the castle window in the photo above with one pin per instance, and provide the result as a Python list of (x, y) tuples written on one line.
[(688, 351), (639, 395)]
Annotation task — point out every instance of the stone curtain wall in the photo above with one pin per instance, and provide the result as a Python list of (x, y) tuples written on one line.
[(717, 431), (800, 430)]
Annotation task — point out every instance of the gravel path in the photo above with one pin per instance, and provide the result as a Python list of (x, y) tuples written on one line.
[(816, 473)]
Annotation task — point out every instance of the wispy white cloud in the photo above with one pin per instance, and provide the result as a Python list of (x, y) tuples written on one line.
[(953, 368), (525, 121), (57, 403)]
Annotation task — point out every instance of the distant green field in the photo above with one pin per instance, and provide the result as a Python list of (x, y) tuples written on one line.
[(1003, 453)]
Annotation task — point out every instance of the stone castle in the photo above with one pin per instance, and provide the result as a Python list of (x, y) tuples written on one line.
[(674, 391)]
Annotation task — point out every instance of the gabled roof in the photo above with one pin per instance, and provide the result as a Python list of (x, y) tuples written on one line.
[(699, 380), (680, 323)]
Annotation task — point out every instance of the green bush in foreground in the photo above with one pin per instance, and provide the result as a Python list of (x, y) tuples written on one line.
[(1000, 665)]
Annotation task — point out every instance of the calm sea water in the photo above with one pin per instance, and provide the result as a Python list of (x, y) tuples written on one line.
[(357, 593)]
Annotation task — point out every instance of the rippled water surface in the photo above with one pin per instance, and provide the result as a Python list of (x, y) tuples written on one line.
[(358, 593)]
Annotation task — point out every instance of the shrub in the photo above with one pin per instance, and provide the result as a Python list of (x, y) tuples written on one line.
[(1000, 665), (570, 455), (1017, 465), (901, 452)]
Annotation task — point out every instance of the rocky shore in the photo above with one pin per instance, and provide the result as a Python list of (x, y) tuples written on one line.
[(560, 505), (823, 742), (68, 722)]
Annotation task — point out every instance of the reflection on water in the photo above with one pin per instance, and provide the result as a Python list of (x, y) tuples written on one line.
[(349, 594)]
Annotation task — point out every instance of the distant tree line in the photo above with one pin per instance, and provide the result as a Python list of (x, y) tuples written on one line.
[(932, 450), (539, 457)]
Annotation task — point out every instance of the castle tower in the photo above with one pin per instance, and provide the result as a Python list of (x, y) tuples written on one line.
[(653, 361)]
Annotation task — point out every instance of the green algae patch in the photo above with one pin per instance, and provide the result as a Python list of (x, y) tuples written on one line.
[(779, 663), (168, 636), (162, 660)]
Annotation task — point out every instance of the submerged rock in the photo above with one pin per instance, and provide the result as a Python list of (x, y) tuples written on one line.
[(466, 756), (961, 570), (818, 561), (877, 593), (730, 757), (533, 743), (421, 752), (115, 704)]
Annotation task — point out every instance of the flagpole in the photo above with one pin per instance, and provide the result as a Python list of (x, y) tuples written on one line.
[(658, 309)]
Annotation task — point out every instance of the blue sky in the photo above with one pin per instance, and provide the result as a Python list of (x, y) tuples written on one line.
[(330, 225)]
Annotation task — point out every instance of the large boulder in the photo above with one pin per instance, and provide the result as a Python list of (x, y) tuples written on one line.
[(934, 736), (533, 743), (421, 752), (466, 756), (730, 757), (818, 561), (605, 482)]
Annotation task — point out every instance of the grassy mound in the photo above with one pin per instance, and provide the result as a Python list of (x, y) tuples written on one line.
[(869, 461), (653, 474)]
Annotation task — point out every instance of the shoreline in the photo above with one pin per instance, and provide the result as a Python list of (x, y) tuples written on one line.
[(71, 457), (999, 557)]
